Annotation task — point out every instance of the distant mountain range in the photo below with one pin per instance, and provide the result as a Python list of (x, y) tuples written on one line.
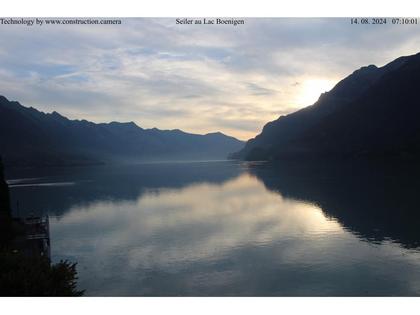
[(33, 138), (373, 113)]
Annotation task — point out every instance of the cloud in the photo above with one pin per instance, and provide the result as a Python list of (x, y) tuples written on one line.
[(259, 90), (169, 76)]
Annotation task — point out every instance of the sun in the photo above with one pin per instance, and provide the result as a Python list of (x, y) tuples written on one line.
[(310, 90)]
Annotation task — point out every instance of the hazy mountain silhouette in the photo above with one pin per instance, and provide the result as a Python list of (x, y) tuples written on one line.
[(31, 137), (372, 113)]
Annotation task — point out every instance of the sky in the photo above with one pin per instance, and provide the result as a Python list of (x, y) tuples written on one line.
[(197, 78)]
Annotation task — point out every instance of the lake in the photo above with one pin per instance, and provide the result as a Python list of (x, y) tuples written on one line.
[(229, 228)]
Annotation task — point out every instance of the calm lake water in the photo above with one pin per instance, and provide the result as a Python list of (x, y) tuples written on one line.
[(231, 228)]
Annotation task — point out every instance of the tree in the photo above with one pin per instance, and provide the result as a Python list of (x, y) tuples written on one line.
[(34, 276), (29, 275), (6, 231)]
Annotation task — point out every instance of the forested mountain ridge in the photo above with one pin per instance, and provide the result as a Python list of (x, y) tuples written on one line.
[(372, 113), (31, 137)]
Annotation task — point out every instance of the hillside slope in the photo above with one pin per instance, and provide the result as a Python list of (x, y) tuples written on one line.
[(31, 137), (374, 112)]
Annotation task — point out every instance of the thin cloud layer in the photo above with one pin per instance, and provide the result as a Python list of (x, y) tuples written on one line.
[(199, 78)]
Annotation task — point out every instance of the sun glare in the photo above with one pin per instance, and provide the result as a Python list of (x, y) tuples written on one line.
[(310, 90)]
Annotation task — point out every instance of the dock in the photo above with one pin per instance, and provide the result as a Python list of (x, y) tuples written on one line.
[(34, 237)]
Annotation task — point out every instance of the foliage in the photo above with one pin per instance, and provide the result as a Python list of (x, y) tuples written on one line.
[(34, 276)]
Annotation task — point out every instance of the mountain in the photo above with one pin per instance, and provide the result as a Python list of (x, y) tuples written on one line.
[(373, 113), (31, 137)]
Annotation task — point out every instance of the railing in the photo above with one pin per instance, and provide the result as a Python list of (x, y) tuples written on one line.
[(39, 236), (38, 228)]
